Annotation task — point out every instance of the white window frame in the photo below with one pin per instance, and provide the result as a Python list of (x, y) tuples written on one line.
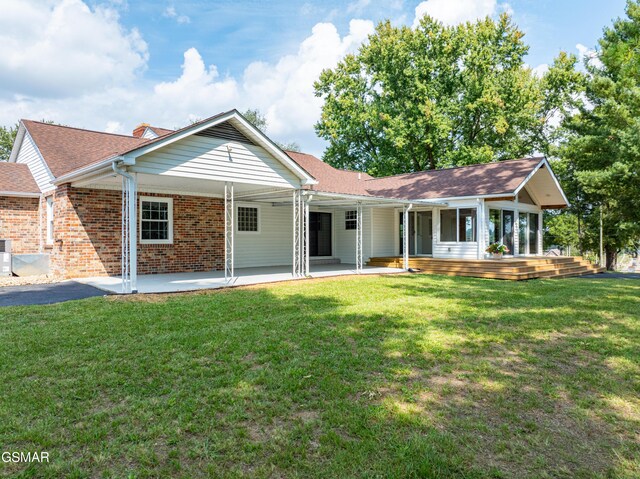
[(457, 210), (156, 199), (237, 217), (348, 220), (50, 219)]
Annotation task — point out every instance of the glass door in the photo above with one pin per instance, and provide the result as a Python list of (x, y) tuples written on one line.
[(424, 232), (508, 229), (319, 234), (522, 234), (533, 233)]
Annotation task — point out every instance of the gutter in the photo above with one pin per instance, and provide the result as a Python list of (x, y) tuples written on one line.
[(87, 170), (377, 199), (20, 194)]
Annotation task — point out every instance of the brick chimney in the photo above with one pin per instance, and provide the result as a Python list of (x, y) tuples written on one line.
[(138, 131)]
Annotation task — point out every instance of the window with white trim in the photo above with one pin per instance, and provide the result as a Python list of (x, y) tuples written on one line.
[(156, 220), (458, 225), (351, 220), (50, 220), (248, 219)]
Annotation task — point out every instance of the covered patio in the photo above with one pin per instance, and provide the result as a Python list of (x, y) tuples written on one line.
[(181, 282)]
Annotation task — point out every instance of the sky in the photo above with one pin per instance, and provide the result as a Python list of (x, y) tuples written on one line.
[(109, 65)]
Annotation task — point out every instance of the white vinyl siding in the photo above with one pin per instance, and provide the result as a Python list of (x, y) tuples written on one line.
[(384, 232), (272, 245), (29, 155), (446, 249), (344, 245), (217, 159)]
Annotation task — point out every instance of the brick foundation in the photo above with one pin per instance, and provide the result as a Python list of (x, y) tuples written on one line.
[(19, 223), (87, 235)]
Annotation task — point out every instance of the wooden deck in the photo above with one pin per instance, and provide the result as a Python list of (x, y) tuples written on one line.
[(515, 269)]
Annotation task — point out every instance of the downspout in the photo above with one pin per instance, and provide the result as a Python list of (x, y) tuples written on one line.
[(132, 227)]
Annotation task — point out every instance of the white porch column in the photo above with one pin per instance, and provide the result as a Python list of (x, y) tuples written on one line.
[(516, 229), (480, 227), (405, 236), (300, 234), (540, 242), (305, 236), (228, 232), (133, 233), (359, 262)]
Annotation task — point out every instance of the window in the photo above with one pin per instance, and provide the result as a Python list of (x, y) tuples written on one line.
[(156, 220), (458, 225), (50, 220), (247, 219), (351, 220), (448, 219)]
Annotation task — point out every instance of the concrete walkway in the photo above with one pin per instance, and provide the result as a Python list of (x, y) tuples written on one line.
[(33, 294), (171, 283)]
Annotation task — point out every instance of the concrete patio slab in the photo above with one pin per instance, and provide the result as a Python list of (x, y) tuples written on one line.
[(176, 282)]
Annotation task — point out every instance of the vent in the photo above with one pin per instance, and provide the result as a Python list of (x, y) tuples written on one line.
[(226, 131), (5, 246)]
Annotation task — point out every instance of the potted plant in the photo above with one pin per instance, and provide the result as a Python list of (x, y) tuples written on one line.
[(497, 250)]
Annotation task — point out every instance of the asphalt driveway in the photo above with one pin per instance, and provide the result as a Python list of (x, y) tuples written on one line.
[(46, 293)]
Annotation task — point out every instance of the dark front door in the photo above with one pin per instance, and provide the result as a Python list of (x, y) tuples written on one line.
[(508, 229), (319, 234)]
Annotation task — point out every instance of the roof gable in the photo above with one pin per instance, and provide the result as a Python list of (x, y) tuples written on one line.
[(66, 149)]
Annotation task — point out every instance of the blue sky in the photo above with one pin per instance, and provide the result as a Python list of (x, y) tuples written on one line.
[(111, 64)]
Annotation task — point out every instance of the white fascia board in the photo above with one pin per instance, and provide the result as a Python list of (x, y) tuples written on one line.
[(17, 143), (473, 197), (368, 200), (544, 161), (269, 145)]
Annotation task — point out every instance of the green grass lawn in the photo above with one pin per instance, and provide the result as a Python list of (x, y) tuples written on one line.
[(396, 376)]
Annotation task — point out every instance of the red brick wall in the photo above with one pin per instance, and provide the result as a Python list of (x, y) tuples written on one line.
[(19, 223), (88, 235)]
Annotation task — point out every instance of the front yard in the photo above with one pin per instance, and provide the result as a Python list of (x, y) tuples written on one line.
[(397, 376)]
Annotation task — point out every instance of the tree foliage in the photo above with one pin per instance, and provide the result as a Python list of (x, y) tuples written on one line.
[(7, 137), (259, 120), (437, 96), (600, 166)]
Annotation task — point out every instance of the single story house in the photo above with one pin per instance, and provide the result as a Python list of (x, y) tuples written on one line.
[(220, 195)]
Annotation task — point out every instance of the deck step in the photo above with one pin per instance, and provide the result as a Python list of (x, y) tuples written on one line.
[(508, 268)]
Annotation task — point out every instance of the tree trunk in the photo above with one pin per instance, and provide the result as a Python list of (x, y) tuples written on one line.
[(611, 256)]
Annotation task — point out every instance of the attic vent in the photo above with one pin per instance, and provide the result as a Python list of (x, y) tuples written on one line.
[(226, 131)]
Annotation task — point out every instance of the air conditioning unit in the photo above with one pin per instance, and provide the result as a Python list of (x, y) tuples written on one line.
[(5, 257)]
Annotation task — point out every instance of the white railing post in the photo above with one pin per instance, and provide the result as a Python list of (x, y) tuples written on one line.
[(228, 232), (125, 231)]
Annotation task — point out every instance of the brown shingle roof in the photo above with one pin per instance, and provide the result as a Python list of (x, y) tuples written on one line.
[(16, 178), (331, 180), (486, 179), (475, 180), (66, 149), (160, 131)]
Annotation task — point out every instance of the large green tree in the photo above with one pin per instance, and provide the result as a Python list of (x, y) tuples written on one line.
[(7, 137), (600, 166), (436, 96)]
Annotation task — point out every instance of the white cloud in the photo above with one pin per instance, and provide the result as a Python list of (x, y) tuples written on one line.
[(589, 55), (452, 12), (282, 89), (62, 48), (171, 12), (358, 6)]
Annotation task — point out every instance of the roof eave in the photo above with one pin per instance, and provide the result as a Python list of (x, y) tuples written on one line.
[(21, 194)]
